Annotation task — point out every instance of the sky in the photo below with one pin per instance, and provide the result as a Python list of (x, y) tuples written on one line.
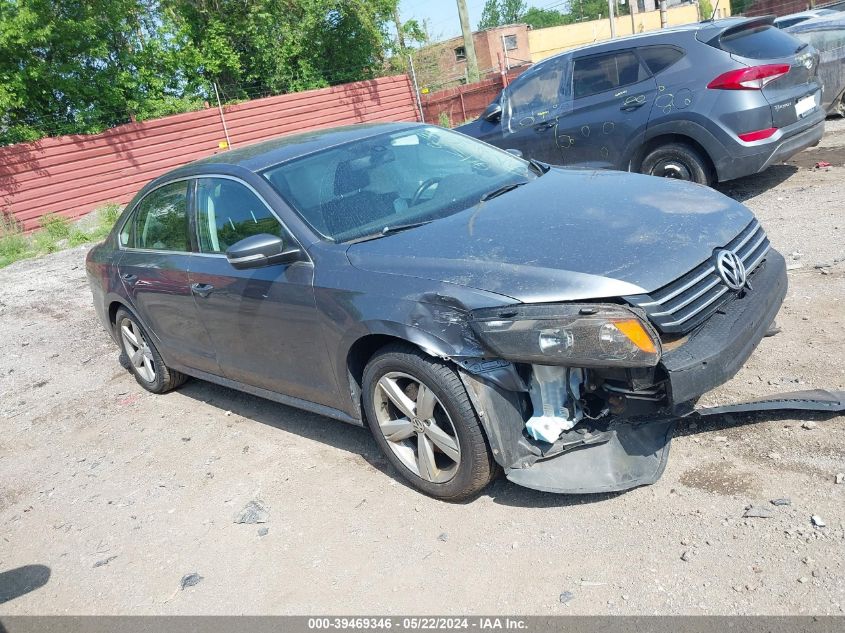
[(442, 15)]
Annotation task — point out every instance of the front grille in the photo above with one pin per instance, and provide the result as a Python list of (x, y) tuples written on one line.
[(682, 305)]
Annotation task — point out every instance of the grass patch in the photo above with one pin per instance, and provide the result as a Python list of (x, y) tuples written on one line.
[(13, 243), (106, 217), (55, 234), (57, 227)]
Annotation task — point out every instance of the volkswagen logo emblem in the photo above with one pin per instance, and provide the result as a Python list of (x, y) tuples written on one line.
[(730, 269)]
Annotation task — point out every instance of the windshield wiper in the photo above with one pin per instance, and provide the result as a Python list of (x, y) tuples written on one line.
[(389, 230), (537, 166), (503, 189)]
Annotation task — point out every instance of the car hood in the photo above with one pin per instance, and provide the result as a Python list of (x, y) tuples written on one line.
[(568, 235)]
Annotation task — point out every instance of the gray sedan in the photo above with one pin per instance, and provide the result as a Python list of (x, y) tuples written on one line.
[(475, 310)]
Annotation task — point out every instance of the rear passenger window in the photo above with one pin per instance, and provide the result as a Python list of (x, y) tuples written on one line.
[(161, 221), (600, 73), (659, 58), (759, 42), (228, 212)]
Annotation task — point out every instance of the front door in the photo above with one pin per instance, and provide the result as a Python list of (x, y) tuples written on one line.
[(263, 321), (612, 97), (154, 271), (533, 106)]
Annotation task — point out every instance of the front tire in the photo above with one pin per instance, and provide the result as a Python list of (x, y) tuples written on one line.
[(422, 419), (140, 356), (678, 161)]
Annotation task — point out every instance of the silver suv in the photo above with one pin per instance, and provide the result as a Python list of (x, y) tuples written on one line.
[(702, 102)]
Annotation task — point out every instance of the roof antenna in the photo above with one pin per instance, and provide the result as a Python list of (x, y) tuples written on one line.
[(713, 15)]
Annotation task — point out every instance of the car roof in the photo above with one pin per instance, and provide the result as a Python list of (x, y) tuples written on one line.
[(803, 14), (641, 39), (820, 23), (259, 156)]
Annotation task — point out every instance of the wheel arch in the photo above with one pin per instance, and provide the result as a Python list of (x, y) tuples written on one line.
[(666, 139), (361, 348), (114, 306)]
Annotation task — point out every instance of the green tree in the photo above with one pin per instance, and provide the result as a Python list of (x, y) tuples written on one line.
[(79, 66), (252, 47), (542, 18), (580, 10), (501, 12)]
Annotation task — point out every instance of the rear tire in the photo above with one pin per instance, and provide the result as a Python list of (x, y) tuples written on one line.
[(140, 356), (432, 436), (678, 161)]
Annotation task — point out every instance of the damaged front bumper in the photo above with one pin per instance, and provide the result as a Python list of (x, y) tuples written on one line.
[(622, 441)]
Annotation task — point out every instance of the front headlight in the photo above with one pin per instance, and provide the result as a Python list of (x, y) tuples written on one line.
[(578, 335)]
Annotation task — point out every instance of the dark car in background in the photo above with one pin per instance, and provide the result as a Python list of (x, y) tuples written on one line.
[(702, 102), (444, 293), (827, 36)]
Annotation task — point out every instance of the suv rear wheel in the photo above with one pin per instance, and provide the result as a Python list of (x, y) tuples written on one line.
[(422, 419), (679, 161)]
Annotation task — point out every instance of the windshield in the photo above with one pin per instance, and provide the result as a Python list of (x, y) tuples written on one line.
[(369, 186)]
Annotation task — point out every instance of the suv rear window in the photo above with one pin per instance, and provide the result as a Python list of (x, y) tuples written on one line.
[(759, 42), (659, 58)]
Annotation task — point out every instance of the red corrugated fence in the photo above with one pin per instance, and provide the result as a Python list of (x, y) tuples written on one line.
[(465, 102), (72, 175)]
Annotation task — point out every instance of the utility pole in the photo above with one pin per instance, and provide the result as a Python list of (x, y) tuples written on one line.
[(400, 37), (612, 15), (469, 45), (633, 8)]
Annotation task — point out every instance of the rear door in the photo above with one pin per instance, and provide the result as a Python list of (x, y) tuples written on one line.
[(612, 97), (793, 95), (154, 268)]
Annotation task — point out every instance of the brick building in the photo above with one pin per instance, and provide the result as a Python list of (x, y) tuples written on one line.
[(443, 65)]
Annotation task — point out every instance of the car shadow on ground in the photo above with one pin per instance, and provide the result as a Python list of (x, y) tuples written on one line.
[(20, 581), (345, 437), (748, 187), (358, 441)]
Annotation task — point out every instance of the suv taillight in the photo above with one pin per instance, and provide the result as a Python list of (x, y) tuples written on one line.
[(754, 78)]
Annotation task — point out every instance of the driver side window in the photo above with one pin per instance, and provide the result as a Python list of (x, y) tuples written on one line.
[(227, 212)]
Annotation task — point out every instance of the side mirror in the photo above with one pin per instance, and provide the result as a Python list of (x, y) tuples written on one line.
[(515, 152), (493, 112), (260, 250)]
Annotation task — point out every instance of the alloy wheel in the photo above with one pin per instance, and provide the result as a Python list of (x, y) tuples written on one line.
[(417, 427), (137, 350)]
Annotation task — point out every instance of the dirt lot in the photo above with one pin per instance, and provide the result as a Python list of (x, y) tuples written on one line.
[(121, 493)]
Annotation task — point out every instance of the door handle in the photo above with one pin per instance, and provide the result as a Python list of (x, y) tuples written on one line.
[(633, 104), (203, 290), (545, 126), (129, 278)]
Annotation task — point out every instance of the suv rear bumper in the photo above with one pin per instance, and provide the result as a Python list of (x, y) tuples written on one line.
[(717, 351), (744, 161)]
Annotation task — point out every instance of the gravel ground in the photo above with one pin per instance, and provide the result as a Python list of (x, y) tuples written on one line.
[(121, 494)]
